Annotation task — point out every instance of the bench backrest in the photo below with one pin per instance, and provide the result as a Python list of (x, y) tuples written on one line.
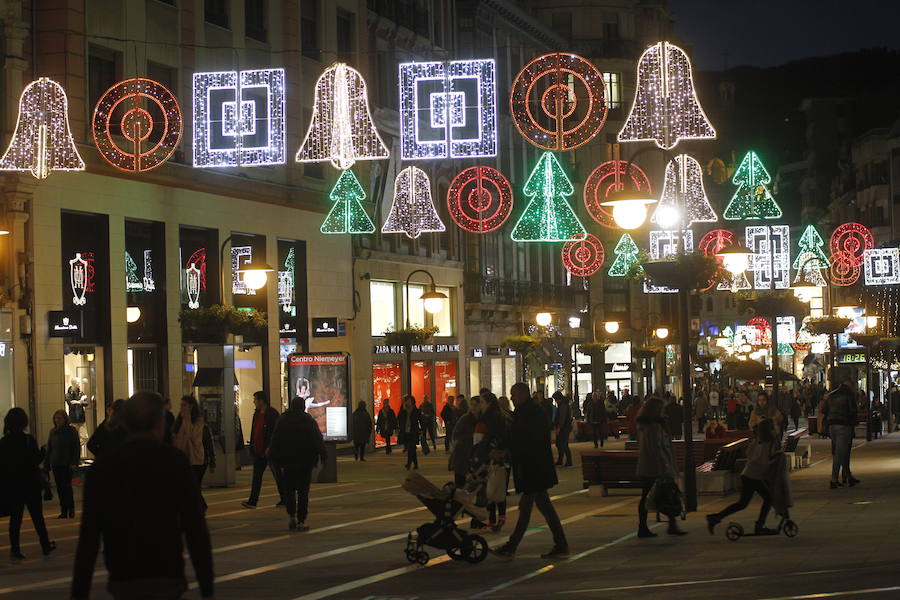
[(728, 454)]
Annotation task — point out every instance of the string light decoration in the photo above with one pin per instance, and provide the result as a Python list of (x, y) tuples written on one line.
[(347, 215), (663, 244), (882, 266), (133, 283), (286, 285), (240, 255), (193, 285), (239, 118), (771, 247), (848, 244), (480, 199), (666, 109), (811, 259), (752, 199), (844, 269), (198, 258), (448, 110), (558, 101), (763, 330), (42, 141), (787, 335), (626, 252), (81, 277), (149, 284), (688, 204), (583, 256), (127, 109), (548, 216), (341, 129), (607, 178), (715, 240), (413, 211)]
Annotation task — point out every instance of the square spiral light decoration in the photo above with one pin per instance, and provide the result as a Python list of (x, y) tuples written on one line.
[(663, 244), (448, 110), (239, 118), (882, 266), (771, 246), (666, 109)]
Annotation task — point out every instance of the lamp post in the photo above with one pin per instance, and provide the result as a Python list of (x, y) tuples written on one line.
[(255, 274), (432, 301)]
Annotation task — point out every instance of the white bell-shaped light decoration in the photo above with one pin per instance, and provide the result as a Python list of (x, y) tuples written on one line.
[(690, 205), (42, 141), (341, 129), (413, 211), (666, 109)]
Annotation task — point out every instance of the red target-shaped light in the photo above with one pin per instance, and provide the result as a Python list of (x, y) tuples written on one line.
[(480, 199), (558, 101), (715, 241), (850, 241), (583, 256), (146, 114), (606, 179), (764, 328), (845, 271)]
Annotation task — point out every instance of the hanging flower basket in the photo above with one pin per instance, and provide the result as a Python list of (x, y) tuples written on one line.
[(592, 348), (768, 304), (213, 324), (827, 325), (865, 339), (409, 336), (521, 344), (693, 271)]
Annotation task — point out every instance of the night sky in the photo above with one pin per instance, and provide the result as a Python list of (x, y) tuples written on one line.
[(771, 32)]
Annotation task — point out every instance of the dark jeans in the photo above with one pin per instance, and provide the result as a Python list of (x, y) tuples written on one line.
[(542, 500), (701, 424), (62, 476), (428, 430), (731, 420), (297, 480), (32, 500), (259, 467), (841, 441), (748, 487), (411, 457), (562, 447), (199, 471), (359, 451), (448, 437), (598, 433), (387, 444), (153, 588)]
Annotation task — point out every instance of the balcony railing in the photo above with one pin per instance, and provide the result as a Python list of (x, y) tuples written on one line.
[(494, 290)]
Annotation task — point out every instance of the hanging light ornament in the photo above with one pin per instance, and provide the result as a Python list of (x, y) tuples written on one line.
[(882, 266), (42, 141), (607, 178), (583, 256), (147, 115), (690, 198), (666, 109), (626, 252), (752, 198), (480, 199), (558, 101), (715, 240), (347, 215), (848, 244), (548, 216), (341, 129), (413, 211), (811, 259)]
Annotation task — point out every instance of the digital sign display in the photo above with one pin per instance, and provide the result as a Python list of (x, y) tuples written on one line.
[(322, 381)]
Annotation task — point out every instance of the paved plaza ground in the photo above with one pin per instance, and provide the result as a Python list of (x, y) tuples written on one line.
[(848, 546)]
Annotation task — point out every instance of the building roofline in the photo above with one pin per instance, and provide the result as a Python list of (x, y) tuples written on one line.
[(526, 22)]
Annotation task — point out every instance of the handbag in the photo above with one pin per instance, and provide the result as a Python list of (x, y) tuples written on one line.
[(665, 497), (45, 484), (495, 488)]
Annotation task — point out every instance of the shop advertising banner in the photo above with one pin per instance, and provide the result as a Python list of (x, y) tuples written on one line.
[(322, 380)]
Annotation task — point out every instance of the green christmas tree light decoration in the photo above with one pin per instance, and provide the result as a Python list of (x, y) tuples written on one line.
[(133, 283), (626, 255), (548, 216), (347, 215), (811, 258), (752, 199)]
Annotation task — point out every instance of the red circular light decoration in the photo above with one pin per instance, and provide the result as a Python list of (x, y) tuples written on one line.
[(480, 199), (583, 255), (151, 141), (715, 241), (764, 328), (801, 346), (851, 240), (845, 271), (558, 101), (606, 179)]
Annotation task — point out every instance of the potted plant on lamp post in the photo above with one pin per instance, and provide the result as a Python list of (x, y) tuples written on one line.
[(524, 346)]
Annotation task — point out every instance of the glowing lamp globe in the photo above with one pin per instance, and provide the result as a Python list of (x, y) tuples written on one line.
[(255, 275), (662, 332), (629, 208), (433, 301), (611, 326), (574, 322), (667, 217), (133, 314), (543, 319), (872, 321), (735, 258)]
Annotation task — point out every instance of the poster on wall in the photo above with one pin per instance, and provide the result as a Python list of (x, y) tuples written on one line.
[(321, 380)]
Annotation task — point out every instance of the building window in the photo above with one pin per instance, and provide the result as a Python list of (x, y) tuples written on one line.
[(345, 31), (255, 19), (610, 26), (309, 29), (104, 71), (168, 76), (384, 315), (561, 23), (613, 84), (216, 12)]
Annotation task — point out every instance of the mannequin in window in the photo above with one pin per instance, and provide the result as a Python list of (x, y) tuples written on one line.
[(76, 401)]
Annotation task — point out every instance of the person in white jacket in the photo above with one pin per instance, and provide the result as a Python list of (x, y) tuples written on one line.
[(188, 436)]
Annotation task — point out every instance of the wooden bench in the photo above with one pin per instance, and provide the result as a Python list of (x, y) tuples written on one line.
[(716, 476), (610, 469), (796, 456)]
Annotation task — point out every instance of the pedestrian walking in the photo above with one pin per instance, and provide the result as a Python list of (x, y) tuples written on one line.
[(763, 451), (674, 415), (763, 410), (656, 460), (410, 421), (713, 398), (169, 436), (386, 423), (362, 430), (490, 451), (264, 419), (840, 416), (701, 409), (60, 458), (20, 462), (463, 432), (796, 409), (140, 502), (187, 436), (596, 414), (731, 411), (533, 472), (111, 432), (448, 416), (428, 425), (563, 426), (631, 414), (297, 446)]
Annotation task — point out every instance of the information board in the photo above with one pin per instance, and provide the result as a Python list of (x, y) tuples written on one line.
[(322, 381)]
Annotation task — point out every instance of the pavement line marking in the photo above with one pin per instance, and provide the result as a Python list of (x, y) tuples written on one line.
[(893, 588), (358, 583)]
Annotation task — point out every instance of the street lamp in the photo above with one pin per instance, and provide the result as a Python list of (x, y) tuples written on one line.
[(661, 333), (432, 300), (611, 327), (133, 314), (543, 319), (735, 258), (255, 274), (629, 207)]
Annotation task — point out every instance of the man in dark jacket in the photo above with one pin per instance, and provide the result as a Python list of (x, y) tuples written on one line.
[(840, 417), (362, 431), (595, 413), (410, 420), (297, 447), (386, 423), (264, 419), (141, 501), (428, 425), (533, 472), (448, 416)]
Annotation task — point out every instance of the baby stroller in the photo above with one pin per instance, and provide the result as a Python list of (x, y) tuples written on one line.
[(446, 504)]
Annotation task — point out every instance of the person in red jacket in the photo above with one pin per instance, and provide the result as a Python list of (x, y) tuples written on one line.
[(264, 419)]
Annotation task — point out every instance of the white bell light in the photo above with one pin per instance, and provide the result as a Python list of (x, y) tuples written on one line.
[(543, 319), (611, 326)]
